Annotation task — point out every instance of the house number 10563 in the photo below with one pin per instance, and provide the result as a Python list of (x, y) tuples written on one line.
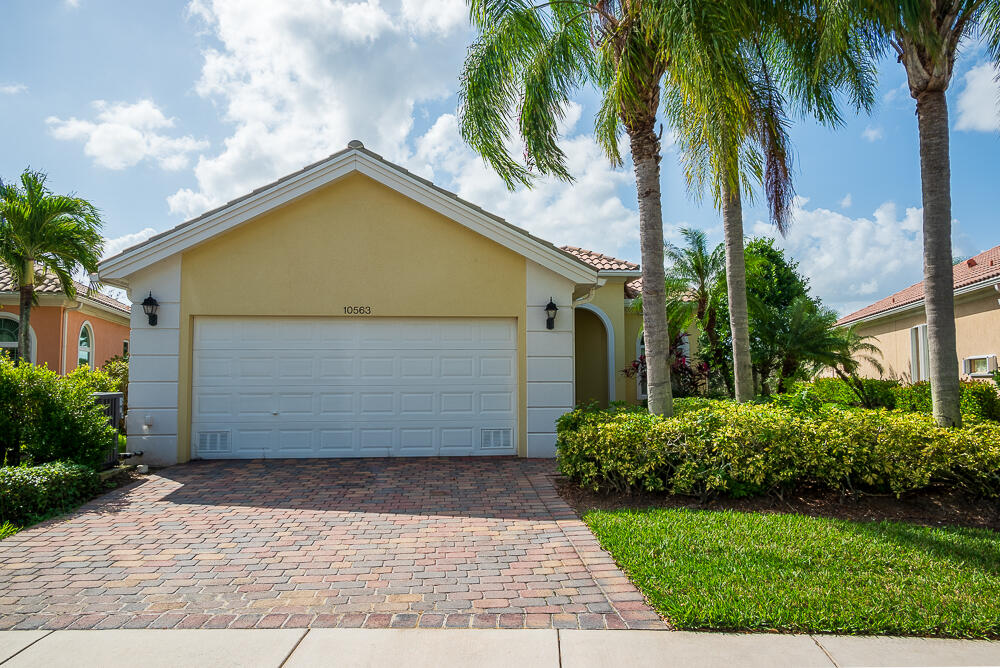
[(357, 310)]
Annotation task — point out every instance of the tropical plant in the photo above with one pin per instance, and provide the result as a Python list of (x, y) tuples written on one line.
[(695, 289), (779, 71), (854, 350), (531, 55), (44, 233), (925, 36)]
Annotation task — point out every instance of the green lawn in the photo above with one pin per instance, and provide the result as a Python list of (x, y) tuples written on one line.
[(749, 571)]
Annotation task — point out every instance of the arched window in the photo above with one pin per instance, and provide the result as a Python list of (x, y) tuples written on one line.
[(8, 337), (640, 378), (85, 354)]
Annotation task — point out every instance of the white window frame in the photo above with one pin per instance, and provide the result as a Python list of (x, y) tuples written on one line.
[(86, 326), (31, 335), (991, 365), (920, 359), (640, 350), (125, 345)]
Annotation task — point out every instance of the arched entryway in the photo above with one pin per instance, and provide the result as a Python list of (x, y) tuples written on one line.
[(594, 356)]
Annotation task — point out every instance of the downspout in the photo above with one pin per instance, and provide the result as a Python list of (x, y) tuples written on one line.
[(63, 338)]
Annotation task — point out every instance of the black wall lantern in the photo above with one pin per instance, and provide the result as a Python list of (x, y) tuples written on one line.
[(550, 314), (149, 306)]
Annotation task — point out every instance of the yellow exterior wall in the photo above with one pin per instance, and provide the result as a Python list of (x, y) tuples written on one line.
[(977, 330), (352, 242), (633, 326), (591, 358), (610, 298)]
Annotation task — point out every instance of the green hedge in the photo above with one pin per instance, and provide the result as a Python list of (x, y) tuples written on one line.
[(980, 399), (723, 447), (51, 418), (30, 493)]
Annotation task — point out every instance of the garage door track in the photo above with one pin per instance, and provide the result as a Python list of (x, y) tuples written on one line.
[(433, 543)]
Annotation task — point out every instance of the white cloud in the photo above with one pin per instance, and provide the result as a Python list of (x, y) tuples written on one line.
[(979, 102), (588, 213), (118, 244), (126, 134), (12, 89), (847, 201), (297, 82), (852, 262), (873, 133)]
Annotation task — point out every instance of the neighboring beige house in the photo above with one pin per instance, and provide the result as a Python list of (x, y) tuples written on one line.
[(355, 309), (900, 325)]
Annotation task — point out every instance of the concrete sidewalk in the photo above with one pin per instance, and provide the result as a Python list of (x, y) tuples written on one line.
[(343, 648)]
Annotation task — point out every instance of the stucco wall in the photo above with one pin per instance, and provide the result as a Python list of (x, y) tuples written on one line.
[(353, 242), (977, 329), (591, 358), (51, 331), (46, 323)]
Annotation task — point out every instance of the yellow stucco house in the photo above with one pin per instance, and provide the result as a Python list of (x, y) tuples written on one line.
[(899, 324), (355, 309)]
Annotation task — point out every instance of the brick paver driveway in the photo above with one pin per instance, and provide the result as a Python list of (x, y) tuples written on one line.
[(454, 542)]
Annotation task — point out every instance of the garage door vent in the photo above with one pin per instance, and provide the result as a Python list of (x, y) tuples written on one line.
[(497, 439), (213, 442)]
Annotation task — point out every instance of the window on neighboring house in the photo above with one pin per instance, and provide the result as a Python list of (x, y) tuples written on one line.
[(920, 360), (979, 365), (640, 378), (8, 337), (85, 354), (125, 348)]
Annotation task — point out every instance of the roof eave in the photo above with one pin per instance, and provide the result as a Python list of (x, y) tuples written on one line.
[(116, 269), (914, 305)]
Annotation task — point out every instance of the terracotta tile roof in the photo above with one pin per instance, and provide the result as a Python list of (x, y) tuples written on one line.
[(976, 269), (633, 288), (599, 261), (50, 285)]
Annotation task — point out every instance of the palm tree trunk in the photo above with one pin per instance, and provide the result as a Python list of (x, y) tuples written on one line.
[(736, 285), (939, 295), (27, 290), (646, 158)]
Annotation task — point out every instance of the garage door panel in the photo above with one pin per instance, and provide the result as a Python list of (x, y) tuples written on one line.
[(287, 387)]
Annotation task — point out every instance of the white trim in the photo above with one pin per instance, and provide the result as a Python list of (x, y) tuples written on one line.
[(991, 365), (610, 329), (92, 350), (115, 270), (31, 334), (631, 273)]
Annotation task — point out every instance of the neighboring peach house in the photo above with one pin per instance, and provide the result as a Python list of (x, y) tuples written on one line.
[(899, 323), (394, 319), (65, 333)]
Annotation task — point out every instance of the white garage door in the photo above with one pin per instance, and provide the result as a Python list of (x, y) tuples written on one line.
[(340, 387)]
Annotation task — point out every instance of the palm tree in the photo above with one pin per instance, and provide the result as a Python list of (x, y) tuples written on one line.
[(44, 233), (529, 57), (781, 70), (695, 287), (853, 349), (925, 36)]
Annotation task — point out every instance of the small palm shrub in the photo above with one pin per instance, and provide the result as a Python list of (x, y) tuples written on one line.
[(724, 448)]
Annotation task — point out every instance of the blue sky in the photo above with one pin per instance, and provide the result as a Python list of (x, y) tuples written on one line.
[(158, 110)]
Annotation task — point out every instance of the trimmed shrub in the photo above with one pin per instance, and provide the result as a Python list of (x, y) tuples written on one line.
[(746, 449), (30, 493), (836, 391), (980, 400), (52, 418)]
